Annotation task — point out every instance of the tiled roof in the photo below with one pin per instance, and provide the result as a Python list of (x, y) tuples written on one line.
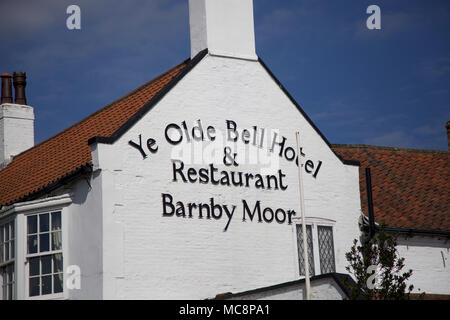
[(411, 188), (68, 152)]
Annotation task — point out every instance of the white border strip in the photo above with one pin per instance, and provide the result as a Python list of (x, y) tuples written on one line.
[(36, 204)]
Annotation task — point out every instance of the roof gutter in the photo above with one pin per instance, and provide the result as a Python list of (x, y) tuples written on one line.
[(416, 232)]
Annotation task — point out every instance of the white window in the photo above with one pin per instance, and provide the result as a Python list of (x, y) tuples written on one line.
[(7, 255), (320, 244), (44, 254)]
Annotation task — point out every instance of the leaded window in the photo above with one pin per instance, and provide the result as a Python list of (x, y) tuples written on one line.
[(301, 259), (326, 249)]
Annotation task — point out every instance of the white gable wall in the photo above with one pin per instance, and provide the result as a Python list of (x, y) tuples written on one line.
[(429, 258), (149, 256)]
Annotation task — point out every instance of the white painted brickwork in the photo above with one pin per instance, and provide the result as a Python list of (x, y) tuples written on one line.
[(429, 258), (148, 256), (16, 130)]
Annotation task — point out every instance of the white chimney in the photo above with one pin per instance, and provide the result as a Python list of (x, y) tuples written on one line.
[(16, 119), (225, 27)]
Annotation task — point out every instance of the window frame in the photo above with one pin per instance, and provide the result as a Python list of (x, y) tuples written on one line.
[(7, 220), (314, 222), (27, 256), (332, 247), (313, 264), (18, 211)]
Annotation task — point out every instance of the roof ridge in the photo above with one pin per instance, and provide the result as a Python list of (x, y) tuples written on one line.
[(140, 88), (366, 146)]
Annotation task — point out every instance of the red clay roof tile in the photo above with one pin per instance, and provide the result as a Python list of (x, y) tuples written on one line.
[(68, 151), (411, 188)]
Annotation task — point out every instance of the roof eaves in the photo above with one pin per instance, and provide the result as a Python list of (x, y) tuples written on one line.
[(422, 232), (67, 178), (382, 148)]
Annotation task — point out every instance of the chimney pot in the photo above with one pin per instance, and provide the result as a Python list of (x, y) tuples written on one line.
[(20, 81), (6, 88)]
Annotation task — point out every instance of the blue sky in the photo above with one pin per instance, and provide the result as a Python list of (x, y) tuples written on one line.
[(388, 87)]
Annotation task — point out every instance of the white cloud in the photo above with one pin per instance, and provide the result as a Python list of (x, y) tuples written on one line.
[(436, 69), (396, 138)]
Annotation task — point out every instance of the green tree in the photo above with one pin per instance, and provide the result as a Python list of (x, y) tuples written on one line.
[(387, 282)]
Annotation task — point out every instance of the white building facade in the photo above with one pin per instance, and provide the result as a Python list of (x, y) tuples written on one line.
[(193, 195)]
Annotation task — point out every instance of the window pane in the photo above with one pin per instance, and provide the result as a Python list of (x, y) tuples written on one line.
[(8, 276), (58, 283), (43, 222), (44, 242), (57, 263), (46, 284), (56, 221), (12, 283), (326, 249), (11, 273), (46, 263), (6, 233), (12, 230), (2, 228), (10, 291), (34, 287), (34, 266), (56, 240), (32, 224), (8, 281), (12, 249), (32, 244), (3, 274), (1, 253), (301, 250), (6, 246)]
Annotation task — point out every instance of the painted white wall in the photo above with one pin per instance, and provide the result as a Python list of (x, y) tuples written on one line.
[(85, 248), (429, 258), (148, 256), (224, 27), (16, 130)]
